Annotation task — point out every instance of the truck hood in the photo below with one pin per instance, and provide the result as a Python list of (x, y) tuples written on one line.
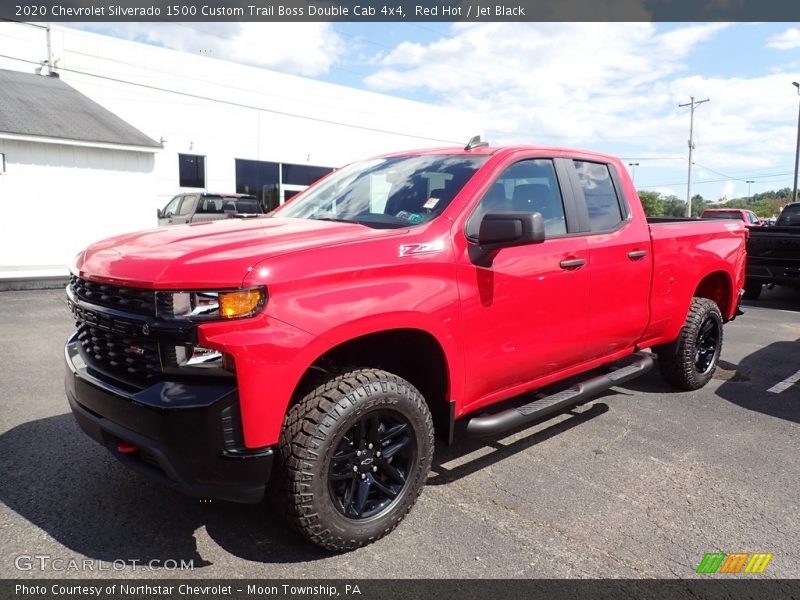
[(210, 254)]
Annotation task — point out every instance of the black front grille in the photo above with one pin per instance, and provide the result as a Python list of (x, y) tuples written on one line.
[(129, 356), (128, 299)]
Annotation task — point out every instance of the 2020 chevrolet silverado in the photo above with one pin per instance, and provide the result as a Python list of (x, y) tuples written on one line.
[(321, 347)]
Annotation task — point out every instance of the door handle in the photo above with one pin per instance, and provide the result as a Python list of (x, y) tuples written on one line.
[(637, 254), (572, 263)]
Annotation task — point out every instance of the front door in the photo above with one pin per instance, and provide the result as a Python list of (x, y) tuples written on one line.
[(525, 316)]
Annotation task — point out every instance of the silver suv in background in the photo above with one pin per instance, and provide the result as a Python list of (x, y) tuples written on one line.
[(192, 207)]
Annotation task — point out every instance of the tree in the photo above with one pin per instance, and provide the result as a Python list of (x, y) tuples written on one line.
[(698, 205), (652, 203), (674, 206)]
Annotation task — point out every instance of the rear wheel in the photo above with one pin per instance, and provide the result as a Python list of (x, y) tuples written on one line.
[(689, 362), (355, 453), (752, 290)]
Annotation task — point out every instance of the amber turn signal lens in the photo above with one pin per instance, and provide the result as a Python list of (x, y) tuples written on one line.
[(239, 304)]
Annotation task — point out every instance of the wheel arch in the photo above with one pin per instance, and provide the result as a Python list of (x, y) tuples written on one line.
[(717, 286), (412, 353)]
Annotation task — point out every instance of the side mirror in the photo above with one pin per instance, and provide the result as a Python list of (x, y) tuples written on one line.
[(160, 213), (503, 230)]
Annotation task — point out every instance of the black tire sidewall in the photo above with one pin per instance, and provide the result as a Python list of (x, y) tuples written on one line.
[(331, 528), (710, 312), (374, 526)]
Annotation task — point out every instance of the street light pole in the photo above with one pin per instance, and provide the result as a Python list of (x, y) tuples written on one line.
[(748, 182), (692, 105), (797, 149), (633, 172)]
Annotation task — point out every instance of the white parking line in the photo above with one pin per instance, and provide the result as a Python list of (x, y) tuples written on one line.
[(785, 384)]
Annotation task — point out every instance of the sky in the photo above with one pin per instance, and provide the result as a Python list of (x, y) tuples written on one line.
[(611, 87)]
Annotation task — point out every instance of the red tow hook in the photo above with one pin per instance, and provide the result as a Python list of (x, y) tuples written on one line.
[(126, 448)]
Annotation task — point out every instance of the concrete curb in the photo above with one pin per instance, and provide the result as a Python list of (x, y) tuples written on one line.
[(38, 283)]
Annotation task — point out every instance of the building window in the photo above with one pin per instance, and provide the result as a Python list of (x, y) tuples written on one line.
[(259, 178), (192, 170), (302, 174)]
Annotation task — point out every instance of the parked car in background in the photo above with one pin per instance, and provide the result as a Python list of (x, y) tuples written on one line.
[(193, 207), (748, 216), (773, 253)]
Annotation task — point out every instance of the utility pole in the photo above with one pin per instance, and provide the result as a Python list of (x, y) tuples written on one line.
[(748, 182), (797, 149), (692, 105)]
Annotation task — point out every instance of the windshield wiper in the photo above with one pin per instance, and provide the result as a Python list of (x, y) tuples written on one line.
[(334, 220)]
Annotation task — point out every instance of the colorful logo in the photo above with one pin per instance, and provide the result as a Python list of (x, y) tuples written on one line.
[(737, 562)]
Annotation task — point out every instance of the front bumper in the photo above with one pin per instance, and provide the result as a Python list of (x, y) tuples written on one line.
[(186, 435)]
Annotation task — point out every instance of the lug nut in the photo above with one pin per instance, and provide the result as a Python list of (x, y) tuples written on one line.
[(369, 446), (363, 476), (355, 468), (378, 454), (358, 452), (374, 468)]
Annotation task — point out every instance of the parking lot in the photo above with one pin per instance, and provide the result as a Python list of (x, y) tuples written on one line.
[(640, 482)]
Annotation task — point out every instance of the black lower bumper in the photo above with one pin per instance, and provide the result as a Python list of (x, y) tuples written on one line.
[(184, 435), (779, 272)]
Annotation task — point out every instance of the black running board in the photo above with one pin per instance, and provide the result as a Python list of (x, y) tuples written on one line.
[(578, 393)]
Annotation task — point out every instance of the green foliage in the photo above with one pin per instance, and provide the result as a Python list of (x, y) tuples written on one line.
[(652, 203), (764, 204)]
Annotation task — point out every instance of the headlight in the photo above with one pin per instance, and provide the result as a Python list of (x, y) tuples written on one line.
[(212, 305)]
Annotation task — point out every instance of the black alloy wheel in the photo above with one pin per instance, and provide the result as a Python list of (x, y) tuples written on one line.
[(705, 346), (689, 362), (354, 455), (370, 466)]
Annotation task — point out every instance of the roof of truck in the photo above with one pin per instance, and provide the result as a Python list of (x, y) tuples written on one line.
[(491, 150)]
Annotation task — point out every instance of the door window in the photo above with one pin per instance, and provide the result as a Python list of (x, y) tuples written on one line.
[(172, 207), (527, 186), (602, 202)]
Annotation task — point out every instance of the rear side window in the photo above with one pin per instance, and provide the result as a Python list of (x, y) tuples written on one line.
[(790, 215), (526, 186), (602, 201)]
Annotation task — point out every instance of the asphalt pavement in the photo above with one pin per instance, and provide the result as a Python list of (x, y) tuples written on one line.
[(641, 482)]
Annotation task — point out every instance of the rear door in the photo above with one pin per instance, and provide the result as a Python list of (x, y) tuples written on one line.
[(619, 259)]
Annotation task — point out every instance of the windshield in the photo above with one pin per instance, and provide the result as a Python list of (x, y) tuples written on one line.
[(387, 192)]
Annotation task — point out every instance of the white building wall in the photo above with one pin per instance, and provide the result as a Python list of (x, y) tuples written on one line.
[(55, 199), (256, 114)]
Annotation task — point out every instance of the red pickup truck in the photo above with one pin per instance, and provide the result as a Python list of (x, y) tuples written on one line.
[(320, 348)]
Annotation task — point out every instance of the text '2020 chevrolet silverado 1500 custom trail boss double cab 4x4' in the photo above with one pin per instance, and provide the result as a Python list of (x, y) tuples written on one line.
[(314, 352)]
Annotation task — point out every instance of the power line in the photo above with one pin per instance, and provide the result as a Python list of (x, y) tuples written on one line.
[(240, 105), (718, 173), (756, 178)]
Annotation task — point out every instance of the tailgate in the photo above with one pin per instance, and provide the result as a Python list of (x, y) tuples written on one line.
[(773, 254)]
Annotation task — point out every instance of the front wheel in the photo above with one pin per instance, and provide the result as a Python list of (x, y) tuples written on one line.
[(355, 453), (689, 362)]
